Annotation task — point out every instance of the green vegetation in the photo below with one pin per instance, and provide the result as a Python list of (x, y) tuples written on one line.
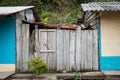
[(49, 79), (54, 11), (37, 66), (77, 76)]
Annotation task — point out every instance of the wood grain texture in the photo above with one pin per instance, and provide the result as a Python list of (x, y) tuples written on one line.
[(59, 50), (78, 48), (95, 50), (25, 46), (72, 50), (69, 50), (19, 63), (66, 52), (18, 43)]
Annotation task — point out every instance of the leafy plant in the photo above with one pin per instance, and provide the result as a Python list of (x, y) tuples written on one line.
[(37, 66), (77, 76), (49, 79)]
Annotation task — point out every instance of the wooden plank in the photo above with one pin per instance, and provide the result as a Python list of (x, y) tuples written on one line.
[(83, 50), (78, 48), (95, 50), (72, 50), (36, 41), (47, 51), (81, 63), (25, 46), (90, 57), (19, 17), (18, 43), (26, 56), (86, 50), (54, 42), (51, 46), (66, 53), (59, 49), (43, 45)]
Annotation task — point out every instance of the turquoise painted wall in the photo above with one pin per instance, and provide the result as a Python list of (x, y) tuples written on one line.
[(7, 40), (107, 62)]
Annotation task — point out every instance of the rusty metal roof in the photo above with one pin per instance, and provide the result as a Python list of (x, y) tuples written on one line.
[(53, 26), (101, 6), (11, 10)]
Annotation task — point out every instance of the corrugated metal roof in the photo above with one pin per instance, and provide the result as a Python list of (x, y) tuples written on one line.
[(12, 10), (101, 6)]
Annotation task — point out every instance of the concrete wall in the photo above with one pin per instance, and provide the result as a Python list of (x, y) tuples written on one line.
[(110, 33)]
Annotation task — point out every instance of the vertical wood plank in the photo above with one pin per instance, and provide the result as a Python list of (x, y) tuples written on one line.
[(25, 46), (52, 46), (78, 48), (81, 61), (31, 44), (43, 45), (90, 50), (83, 50), (49, 44), (72, 50), (66, 60), (18, 43), (59, 50), (36, 41), (95, 50), (86, 50)]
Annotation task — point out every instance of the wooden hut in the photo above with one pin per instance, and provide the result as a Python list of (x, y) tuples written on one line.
[(108, 32), (14, 36), (65, 47)]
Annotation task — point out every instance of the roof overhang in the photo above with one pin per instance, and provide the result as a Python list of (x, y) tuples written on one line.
[(12, 10)]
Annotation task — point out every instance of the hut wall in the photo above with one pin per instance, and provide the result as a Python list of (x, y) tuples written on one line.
[(110, 30), (70, 50), (23, 39)]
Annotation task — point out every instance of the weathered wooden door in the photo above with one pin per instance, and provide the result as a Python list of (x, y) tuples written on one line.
[(46, 49)]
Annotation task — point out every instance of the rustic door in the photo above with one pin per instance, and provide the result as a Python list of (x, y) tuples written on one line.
[(46, 48)]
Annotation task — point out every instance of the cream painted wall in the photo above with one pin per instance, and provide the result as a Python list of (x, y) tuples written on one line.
[(7, 67), (110, 33)]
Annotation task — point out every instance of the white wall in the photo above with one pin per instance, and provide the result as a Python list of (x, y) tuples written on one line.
[(110, 33)]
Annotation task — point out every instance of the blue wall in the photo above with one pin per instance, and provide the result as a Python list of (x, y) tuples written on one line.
[(107, 62), (7, 40), (110, 63)]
